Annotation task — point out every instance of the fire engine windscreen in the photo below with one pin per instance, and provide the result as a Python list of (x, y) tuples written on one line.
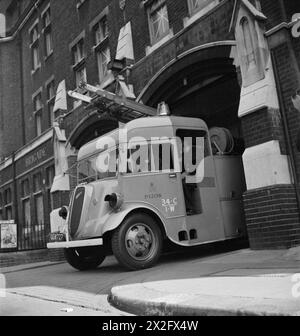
[(88, 169)]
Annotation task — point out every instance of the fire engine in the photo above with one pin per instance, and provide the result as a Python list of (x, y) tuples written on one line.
[(147, 194)]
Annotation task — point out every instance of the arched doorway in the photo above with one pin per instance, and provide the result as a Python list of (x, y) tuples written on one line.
[(201, 83)]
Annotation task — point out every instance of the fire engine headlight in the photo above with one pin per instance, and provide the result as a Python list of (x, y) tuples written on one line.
[(115, 201), (63, 212)]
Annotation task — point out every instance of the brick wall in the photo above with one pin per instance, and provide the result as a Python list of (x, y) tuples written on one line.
[(263, 126), (288, 83), (272, 217)]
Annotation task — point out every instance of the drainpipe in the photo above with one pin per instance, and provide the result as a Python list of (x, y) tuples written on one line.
[(22, 91), (287, 133), (15, 195)]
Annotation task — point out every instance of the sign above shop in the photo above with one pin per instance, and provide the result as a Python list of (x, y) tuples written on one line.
[(296, 25)]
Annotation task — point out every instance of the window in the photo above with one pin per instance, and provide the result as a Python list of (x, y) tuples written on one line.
[(37, 183), (194, 148), (103, 58), (38, 107), (47, 32), (78, 52), (102, 50), (25, 190), (79, 62), (38, 202), (80, 76), (158, 20), (8, 204), (248, 43), (199, 5), (101, 30), (35, 52), (50, 87)]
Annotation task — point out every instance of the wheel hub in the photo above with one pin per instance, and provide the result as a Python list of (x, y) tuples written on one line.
[(140, 242)]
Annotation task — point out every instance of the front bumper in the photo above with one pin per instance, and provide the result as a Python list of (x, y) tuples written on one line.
[(76, 243)]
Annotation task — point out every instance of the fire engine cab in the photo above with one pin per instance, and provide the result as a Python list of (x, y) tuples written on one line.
[(157, 178)]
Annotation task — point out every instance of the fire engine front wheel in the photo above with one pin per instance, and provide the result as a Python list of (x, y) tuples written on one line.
[(137, 243), (84, 258)]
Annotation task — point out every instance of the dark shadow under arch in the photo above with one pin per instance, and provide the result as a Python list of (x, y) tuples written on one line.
[(92, 127)]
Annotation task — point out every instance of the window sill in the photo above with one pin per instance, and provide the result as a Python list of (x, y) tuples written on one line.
[(100, 45), (79, 64), (47, 28), (34, 71), (158, 44), (80, 4), (48, 56), (197, 15), (39, 111), (107, 80)]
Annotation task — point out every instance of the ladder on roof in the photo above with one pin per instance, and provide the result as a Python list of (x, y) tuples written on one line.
[(121, 108)]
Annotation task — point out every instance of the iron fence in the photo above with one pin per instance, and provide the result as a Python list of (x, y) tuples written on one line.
[(32, 237)]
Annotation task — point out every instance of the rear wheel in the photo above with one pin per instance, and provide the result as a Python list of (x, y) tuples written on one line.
[(137, 243), (84, 258)]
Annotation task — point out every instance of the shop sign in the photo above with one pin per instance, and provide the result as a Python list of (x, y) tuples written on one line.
[(34, 158), (296, 25), (8, 234)]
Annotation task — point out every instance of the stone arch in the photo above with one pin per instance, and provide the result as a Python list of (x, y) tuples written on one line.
[(91, 127), (202, 82)]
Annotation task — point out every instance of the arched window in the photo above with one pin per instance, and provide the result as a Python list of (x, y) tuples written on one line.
[(248, 42), (2, 25)]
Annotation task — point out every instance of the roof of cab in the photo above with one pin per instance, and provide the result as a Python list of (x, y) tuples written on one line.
[(100, 144), (166, 121)]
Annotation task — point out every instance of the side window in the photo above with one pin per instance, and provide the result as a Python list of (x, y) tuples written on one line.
[(194, 146), (154, 156)]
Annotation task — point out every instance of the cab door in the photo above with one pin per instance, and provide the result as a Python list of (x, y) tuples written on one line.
[(151, 179), (200, 190)]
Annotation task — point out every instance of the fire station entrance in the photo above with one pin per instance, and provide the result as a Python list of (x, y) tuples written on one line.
[(204, 84)]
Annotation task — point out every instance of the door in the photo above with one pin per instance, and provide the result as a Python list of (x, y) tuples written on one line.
[(199, 185)]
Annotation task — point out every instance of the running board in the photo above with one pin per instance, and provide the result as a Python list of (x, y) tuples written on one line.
[(76, 243)]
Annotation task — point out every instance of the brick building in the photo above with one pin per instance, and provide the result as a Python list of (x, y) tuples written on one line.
[(234, 64)]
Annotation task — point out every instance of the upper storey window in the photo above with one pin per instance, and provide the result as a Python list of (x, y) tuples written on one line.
[(78, 52), (47, 32), (158, 20), (35, 51), (200, 5), (198, 8), (101, 30)]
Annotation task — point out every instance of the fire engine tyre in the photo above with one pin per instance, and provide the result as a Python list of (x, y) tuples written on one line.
[(137, 243), (84, 259)]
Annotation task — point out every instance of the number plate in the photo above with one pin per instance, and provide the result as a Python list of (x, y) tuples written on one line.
[(57, 237)]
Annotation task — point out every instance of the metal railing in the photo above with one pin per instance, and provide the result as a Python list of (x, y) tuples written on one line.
[(32, 237)]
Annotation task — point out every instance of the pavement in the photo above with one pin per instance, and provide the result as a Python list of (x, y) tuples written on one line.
[(252, 283), (212, 281)]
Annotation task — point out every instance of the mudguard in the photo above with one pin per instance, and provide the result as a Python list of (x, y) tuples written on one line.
[(115, 219)]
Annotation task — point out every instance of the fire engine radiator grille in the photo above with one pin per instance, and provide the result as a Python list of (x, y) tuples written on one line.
[(76, 211)]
